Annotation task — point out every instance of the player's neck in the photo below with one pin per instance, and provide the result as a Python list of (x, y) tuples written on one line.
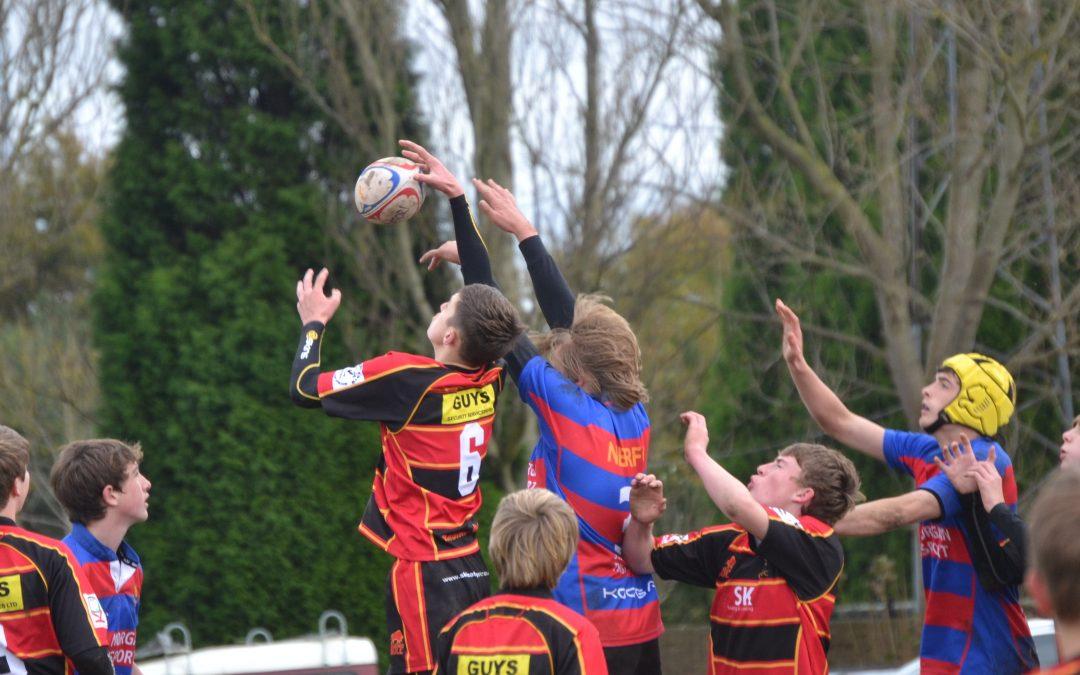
[(109, 531), (951, 433), (9, 511), (449, 355)]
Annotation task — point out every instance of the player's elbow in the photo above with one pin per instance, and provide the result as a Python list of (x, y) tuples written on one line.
[(303, 399)]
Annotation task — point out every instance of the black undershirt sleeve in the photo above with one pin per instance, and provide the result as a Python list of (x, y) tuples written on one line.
[(304, 378), (997, 564), (553, 294), (93, 662), (476, 269)]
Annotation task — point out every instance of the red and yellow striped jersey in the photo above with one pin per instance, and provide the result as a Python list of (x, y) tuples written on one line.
[(774, 600)]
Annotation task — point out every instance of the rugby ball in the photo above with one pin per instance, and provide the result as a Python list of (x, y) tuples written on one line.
[(387, 191)]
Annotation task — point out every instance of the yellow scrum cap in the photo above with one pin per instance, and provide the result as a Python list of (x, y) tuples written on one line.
[(987, 395)]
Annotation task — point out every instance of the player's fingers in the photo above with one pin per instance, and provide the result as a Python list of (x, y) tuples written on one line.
[(308, 276), (483, 189), (335, 297), (685, 417), (299, 291), (320, 280), (992, 455), (485, 208), (941, 465)]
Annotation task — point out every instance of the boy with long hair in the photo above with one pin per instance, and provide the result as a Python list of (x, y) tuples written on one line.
[(583, 381)]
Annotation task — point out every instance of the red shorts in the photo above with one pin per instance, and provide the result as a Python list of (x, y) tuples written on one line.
[(421, 597)]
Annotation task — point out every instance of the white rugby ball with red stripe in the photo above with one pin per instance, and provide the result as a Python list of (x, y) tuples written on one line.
[(387, 191)]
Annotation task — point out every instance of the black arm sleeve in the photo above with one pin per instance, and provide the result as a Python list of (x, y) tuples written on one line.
[(476, 269), (475, 263), (93, 662), (552, 292), (304, 379), (997, 563)]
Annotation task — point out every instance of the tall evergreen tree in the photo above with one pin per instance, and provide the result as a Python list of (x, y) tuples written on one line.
[(213, 212)]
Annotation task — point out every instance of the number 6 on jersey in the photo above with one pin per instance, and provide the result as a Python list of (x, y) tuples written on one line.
[(472, 436)]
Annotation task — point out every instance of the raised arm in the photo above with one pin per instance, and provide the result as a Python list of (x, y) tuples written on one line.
[(553, 294), (823, 404), (884, 515), (315, 309), (471, 251), (726, 491)]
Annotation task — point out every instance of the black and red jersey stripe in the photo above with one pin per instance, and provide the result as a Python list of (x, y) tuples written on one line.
[(47, 608), (435, 426), (520, 632)]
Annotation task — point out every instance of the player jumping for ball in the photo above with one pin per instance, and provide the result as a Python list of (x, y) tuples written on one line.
[(435, 417), (588, 396)]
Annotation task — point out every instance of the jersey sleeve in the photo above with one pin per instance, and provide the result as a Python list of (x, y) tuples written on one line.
[(811, 562), (78, 618), (941, 487), (694, 558), (908, 452), (997, 543), (553, 294), (475, 261), (386, 388)]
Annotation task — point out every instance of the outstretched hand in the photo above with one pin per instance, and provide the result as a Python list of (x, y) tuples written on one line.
[(989, 481), (647, 501), (433, 173), (956, 462), (447, 251), (498, 204), (312, 303), (792, 344), (696, 443)]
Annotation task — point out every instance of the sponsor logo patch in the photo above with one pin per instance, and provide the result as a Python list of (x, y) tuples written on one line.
[(494, 664), (397, 643), (11, 598), (347, 377), (97, 612), (309, 340), (468, 405), (625, 456)]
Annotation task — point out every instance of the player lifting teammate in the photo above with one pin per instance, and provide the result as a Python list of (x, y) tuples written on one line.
[(971, 625), (435, 417), (594, 431)]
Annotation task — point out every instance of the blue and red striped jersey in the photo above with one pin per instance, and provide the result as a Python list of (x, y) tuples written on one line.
[(116, 578), (968, 629), (588, 453)]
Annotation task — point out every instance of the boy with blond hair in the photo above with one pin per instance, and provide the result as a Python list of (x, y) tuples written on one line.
[(100, 486), (522, 629), (49, 616)]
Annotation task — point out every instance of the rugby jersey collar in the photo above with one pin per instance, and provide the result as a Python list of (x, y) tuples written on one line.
[(88, 541), (7, 521), (535, 592)]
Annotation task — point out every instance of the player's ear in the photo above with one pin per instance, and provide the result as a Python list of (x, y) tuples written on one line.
[(804, 495), (451, 337), (109, 496), (1039, 593)]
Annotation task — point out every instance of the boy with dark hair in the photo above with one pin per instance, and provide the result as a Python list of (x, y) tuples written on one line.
[(435, 417), (1054, 580), (49, 617), (774, 566), (973, 622), (99, 484), (522, 629), (583, 381)]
